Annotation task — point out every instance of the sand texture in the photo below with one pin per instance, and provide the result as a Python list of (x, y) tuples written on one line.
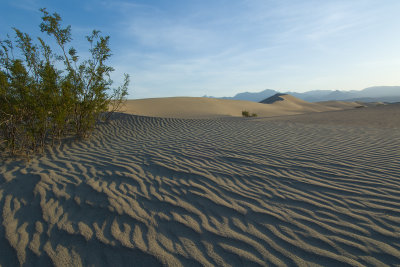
[(229, 191)]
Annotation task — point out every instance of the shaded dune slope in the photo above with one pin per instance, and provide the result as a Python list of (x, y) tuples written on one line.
[(274, 98), (290, 103), (200, 107), (228, 192)]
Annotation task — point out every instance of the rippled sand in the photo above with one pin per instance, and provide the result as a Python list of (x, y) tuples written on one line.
[(149, 191)]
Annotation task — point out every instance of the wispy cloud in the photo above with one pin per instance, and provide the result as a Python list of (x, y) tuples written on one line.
[(166, 35), (29, 5), (223, 47), (281, 45)]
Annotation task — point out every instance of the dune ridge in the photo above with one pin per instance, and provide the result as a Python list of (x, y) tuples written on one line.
[(147, 191)]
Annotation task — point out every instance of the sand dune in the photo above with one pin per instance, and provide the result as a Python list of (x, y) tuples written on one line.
[(199, 107), (149, 191), (342, 104), (381, 116)]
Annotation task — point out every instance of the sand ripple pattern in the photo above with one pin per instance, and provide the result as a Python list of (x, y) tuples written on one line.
[(220, 192)]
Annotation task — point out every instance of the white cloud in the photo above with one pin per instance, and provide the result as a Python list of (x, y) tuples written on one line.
[(299, 45)]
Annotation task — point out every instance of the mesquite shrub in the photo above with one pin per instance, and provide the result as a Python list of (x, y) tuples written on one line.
[(46, 95)]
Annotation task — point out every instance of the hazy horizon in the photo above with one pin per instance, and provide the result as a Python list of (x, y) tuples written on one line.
[(197, 48)]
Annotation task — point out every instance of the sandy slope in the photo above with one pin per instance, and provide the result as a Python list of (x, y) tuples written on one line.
[(342, 104), (229, 192), (381, 116), (199, 107)]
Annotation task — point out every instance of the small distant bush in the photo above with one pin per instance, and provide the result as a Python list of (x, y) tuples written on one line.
[(247, 114), (45, 96)]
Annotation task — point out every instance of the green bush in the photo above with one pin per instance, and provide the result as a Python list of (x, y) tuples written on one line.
[(247, 114), (41, 102)]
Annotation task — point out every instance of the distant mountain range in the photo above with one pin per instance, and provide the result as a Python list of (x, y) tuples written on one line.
[(370, 94)]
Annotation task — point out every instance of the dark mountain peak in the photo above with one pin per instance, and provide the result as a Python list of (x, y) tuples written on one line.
[(273, 99), (377, 91), (375, 94), (253, 96)]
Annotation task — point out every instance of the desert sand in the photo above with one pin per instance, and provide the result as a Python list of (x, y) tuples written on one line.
[(200, 107), (321, 188)]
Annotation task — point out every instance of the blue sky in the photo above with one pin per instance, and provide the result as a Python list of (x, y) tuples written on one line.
[(221, 47)]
